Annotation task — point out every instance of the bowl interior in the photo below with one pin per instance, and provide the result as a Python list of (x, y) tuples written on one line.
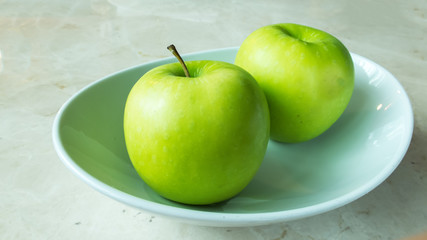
[(355, 155)]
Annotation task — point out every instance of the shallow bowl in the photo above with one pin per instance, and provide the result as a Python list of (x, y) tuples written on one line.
[(295, 180)]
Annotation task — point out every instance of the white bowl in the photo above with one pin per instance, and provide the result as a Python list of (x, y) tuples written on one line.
[(295, 180)]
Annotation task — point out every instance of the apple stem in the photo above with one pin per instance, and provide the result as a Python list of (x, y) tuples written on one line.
[(176, 54)]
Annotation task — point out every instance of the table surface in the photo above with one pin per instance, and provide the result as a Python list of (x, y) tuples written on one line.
[(51, 49)]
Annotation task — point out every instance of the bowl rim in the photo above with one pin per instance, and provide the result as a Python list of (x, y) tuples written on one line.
[(223, 218)]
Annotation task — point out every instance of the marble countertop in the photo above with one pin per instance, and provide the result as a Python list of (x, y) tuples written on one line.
[(51, 49)]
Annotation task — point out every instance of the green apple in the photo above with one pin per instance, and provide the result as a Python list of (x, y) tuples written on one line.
[(197, 139), (307, 76)]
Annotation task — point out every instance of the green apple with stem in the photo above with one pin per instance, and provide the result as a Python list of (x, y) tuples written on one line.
[(306, 74), (196, 132)]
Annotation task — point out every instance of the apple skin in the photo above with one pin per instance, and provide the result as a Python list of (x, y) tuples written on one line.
[(307, 76), (197, 140)]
